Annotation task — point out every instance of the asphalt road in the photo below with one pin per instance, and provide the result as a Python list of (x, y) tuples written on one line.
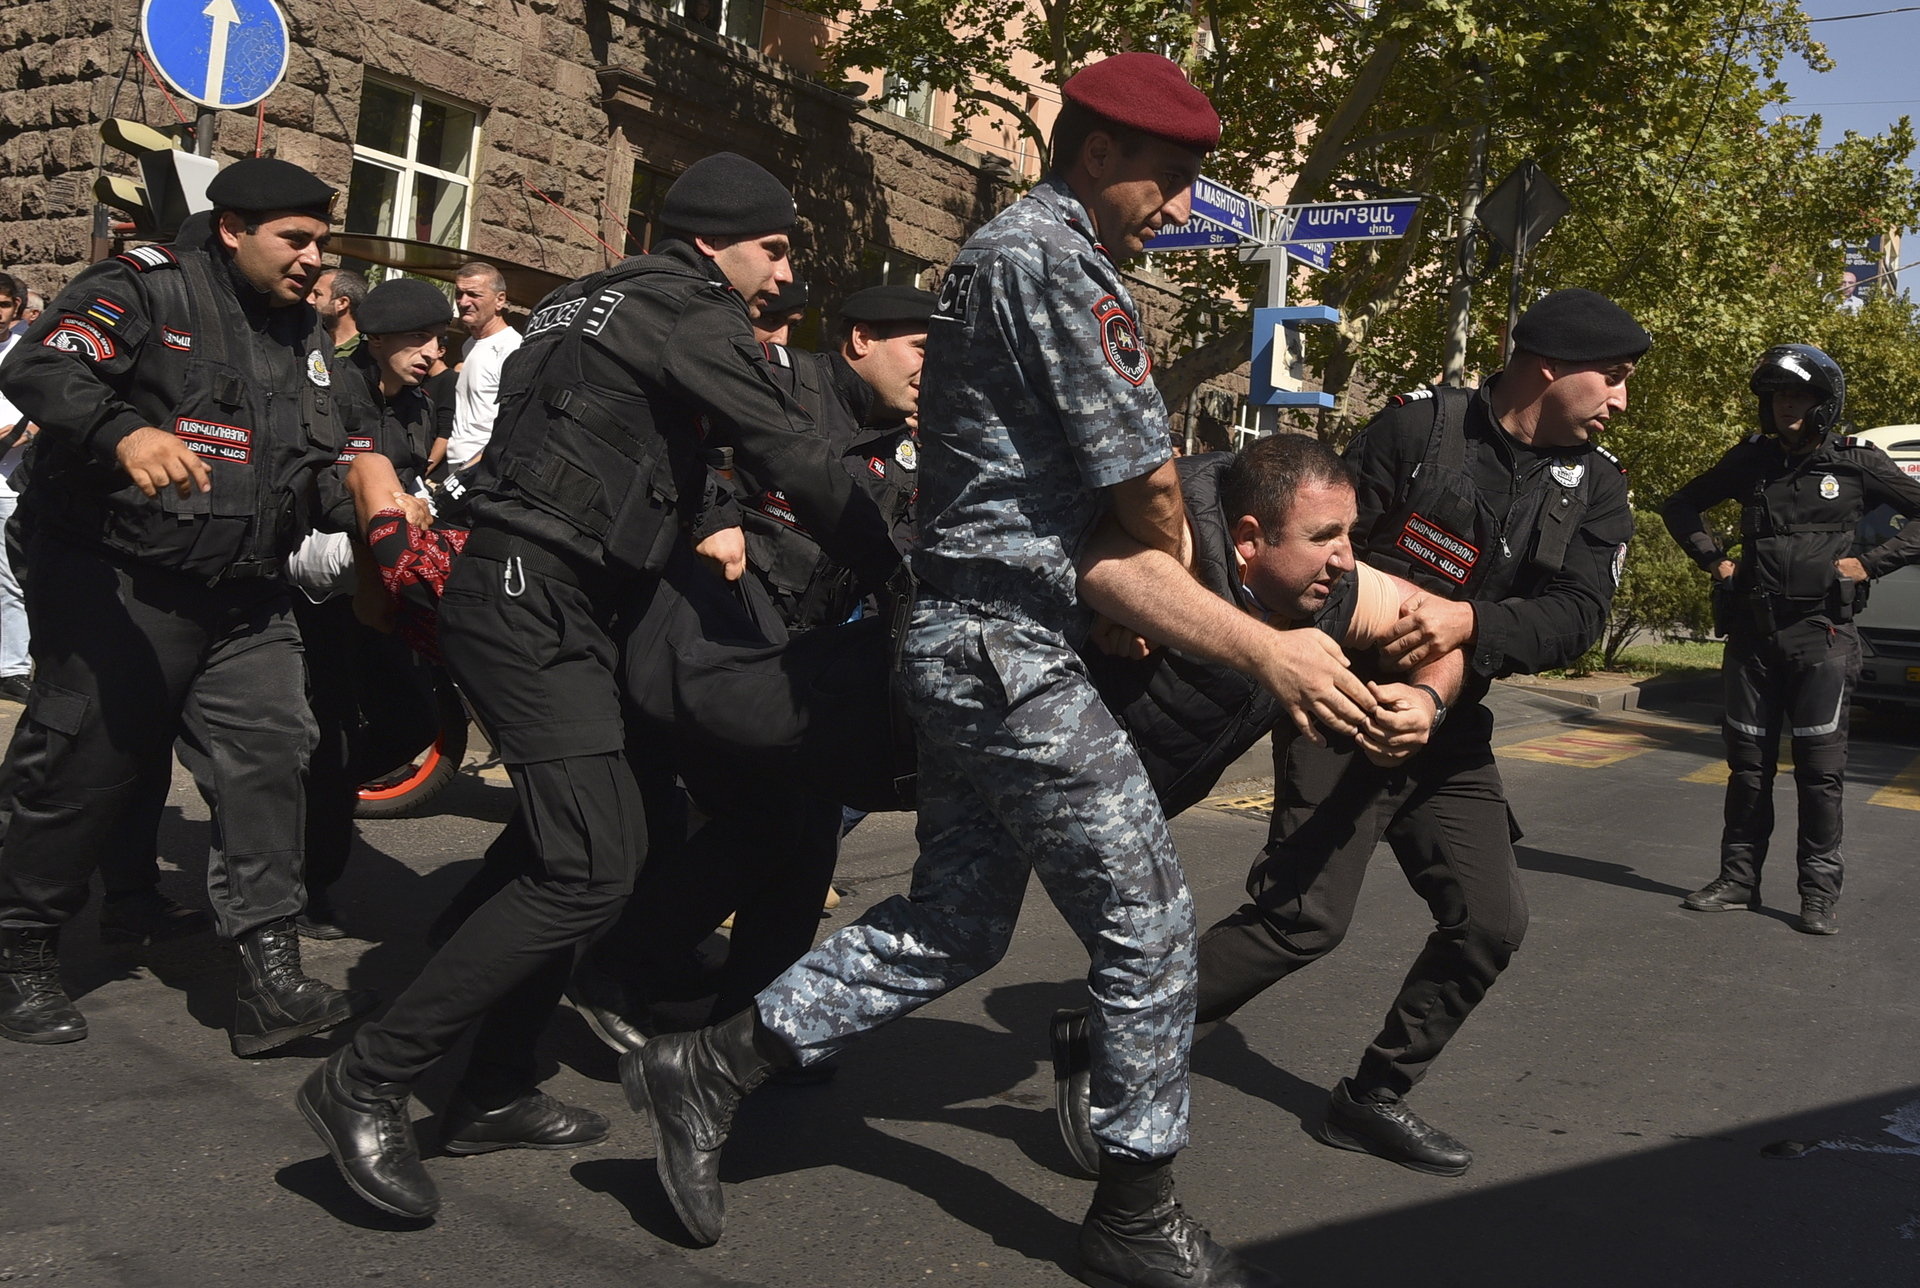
[(1619, 1085)]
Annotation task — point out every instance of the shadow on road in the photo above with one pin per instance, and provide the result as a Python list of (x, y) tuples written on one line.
[(1697, 1212), (318, 1181), (1574, 865), (1224, 1056)]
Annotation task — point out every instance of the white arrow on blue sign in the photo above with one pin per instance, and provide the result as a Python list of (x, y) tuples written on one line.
[(223, 53), (1218, 204), (1352, 220), (1195, 234)]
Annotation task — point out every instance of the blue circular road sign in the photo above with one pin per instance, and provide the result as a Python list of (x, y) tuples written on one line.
[(223, 53)]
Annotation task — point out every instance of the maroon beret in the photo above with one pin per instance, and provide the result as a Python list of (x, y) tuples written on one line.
[(1148, 93)]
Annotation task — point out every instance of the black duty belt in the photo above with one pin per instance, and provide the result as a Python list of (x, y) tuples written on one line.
[(492, 543), (250, 570)]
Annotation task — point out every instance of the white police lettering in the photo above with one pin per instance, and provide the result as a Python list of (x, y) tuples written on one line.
[(215, 441), (553, 317), (601, 310), (74, 335), (955, 292), (1438, 549), (356, 446), (181, 340), (1121, 340)]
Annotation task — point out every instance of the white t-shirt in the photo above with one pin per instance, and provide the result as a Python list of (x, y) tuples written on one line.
[(475, 402), (9, 415)]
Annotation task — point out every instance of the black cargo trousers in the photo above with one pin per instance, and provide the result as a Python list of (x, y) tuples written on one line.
[(130, 662), (1444, 812), (528, 639), (1798, 680)]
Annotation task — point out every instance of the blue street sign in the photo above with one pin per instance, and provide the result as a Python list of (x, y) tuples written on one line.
[(1352, 220), (223, 53), (1313, 254), (1219, 204), (1195, 234)]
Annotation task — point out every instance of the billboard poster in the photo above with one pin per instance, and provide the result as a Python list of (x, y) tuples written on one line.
[(1861, 267)]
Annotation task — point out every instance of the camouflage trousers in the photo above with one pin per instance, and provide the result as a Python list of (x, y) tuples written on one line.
[(1022, 769)]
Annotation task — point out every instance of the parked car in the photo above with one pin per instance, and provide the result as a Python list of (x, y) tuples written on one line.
[(1890, 623)]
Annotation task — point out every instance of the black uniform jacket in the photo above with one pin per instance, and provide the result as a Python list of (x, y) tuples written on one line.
[(400, 428), (110, 355), (1798, 514), (881, 454), (1526, 619)]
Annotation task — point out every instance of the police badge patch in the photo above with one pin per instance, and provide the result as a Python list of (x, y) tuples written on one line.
[(1568, 473), (77, 335), (908, 454), (1121, 340), (317, 368), (1830, 487)]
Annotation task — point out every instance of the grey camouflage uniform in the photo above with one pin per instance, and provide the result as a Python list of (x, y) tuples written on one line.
[(1036, 398)]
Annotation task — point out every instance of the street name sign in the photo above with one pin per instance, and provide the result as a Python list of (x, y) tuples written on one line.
[(1218, 204), (1351, 220), (1195, 234), (221, 53)]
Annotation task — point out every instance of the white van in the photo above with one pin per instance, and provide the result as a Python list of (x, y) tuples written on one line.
[(1890, 623)]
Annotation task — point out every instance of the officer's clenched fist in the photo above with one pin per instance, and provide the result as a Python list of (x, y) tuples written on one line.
[(155, 459), (1429, 626)]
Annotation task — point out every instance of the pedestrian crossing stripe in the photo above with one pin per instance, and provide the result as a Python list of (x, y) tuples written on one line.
[(1903, 792), (1715, 772), (1584, 748)]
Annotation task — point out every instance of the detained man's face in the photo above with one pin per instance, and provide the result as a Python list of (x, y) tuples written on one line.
[(405, 357), (891, 365), (1292, 572)]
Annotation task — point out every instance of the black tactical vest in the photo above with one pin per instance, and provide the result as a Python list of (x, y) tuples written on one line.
[(1444, 540), (594, 469), (262, 433), (1793, 527)]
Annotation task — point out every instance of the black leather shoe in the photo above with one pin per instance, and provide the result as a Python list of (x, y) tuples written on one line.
[(1137, 1235), (1072, 1088), (319, 921), (689, 1085), (148, 917), (33, 1005), (1391, 1130), (535, 1121), (600, 998), (1720, 895), (1817, 915), (15, 688), (275, 1002), (367, 1131)]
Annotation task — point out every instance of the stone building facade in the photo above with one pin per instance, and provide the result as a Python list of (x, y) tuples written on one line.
[(541, 131)]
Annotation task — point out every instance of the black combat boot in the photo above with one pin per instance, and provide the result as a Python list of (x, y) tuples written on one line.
[(1817, 915), (534, 1121), (1720, 894), (1073, 1087), (33, 1006), (148, 917), (1137, 1235), (690, 1084), (367, 1131), (275, 1002), (1379, 1122)]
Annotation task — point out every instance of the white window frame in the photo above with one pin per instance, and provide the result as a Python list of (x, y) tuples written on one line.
[(407, 168), (678, 8)]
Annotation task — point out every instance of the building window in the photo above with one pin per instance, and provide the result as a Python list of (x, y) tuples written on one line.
[(903, 98), (412, 166), (1246, 425), (644, 200), (735, 19), (885, 266)]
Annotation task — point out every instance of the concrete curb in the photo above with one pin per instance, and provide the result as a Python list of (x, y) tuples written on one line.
[(1619, 697)]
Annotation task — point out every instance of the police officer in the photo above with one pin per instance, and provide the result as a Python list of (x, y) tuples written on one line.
[(864, 395), (1501, 506), (1041, 416), (373, 704), (1786, 606), (627, 383), (184, 394)]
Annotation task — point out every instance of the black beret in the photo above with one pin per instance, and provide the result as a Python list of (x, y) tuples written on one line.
[(261, 184), (1580, 326), (889, 304), (726, 195), (792, 298), (403, 304)]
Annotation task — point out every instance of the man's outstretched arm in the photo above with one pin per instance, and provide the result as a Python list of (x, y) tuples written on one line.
[(1148, 591), (1403, 722)]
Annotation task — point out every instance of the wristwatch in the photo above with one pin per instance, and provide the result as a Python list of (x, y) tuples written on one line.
[(1439, 707)]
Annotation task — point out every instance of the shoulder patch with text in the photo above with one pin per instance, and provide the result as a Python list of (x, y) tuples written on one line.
[(77, 335), (177, 339), (1121, 341)]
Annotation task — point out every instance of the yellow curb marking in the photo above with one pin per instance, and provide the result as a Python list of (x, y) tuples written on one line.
[(1903, 792), (1584, 748)]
